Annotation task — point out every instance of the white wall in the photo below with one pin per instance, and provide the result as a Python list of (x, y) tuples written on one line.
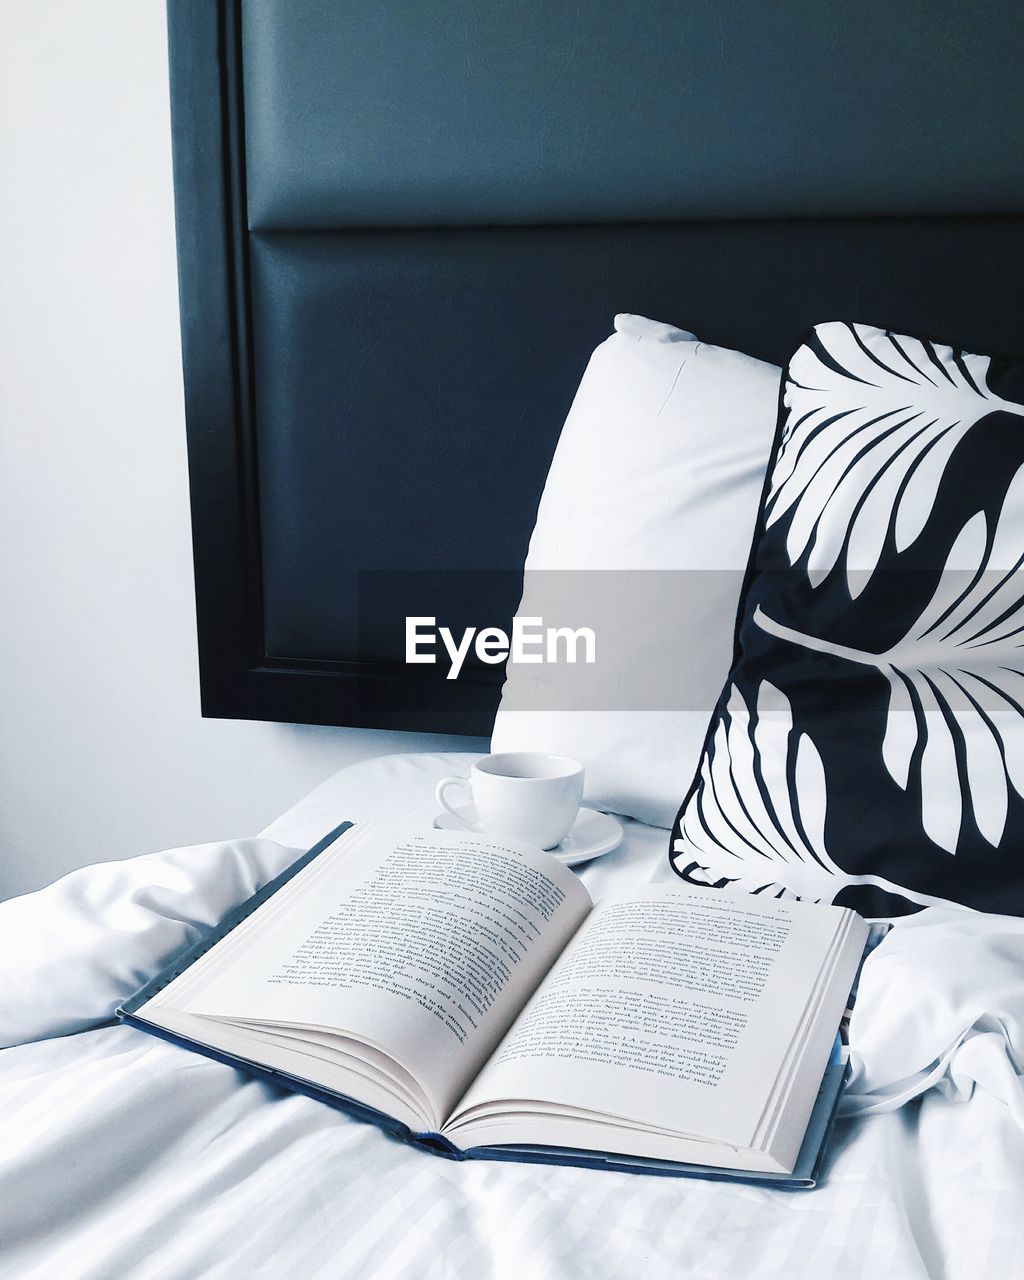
[(103, 752)]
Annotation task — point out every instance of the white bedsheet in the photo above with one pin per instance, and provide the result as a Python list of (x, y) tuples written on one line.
[(121, 1156)]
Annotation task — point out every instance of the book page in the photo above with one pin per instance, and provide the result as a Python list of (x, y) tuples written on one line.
[(671, 1008), (425, 945)]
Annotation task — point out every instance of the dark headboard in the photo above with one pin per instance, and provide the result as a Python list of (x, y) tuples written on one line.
[(404, 224)]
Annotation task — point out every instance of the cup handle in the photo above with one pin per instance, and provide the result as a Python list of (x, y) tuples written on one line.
[(439, 796)]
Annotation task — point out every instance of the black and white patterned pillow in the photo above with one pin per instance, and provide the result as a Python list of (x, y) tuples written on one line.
[(869, 743)]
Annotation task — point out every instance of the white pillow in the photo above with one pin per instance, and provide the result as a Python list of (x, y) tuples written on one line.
[(659, 466)]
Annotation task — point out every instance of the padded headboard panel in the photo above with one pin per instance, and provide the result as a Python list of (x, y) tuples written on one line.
[(404, 224), (419, 112)]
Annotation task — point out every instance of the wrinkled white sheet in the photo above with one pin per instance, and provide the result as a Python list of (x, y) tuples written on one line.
[(121, 1156)]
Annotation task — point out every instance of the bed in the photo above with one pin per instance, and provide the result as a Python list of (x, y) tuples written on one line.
[(401, 232), (123, 1156)]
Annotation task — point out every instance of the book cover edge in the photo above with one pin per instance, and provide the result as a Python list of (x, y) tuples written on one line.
[(187, 957)]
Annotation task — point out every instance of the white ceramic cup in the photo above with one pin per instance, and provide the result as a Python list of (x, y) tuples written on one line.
[(521, 795)]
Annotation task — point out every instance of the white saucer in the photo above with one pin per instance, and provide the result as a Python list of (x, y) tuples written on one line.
[(592, 834)]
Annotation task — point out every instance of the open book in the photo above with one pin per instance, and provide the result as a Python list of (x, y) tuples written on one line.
[(466, 993)]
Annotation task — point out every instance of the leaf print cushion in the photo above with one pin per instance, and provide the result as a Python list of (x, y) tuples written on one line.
[(868, 746)]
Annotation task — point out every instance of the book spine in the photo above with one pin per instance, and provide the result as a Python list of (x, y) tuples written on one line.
[(436, 1144)]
